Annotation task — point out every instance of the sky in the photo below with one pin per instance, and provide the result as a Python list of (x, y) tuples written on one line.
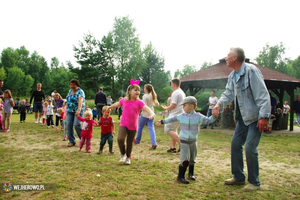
[(188, 32)]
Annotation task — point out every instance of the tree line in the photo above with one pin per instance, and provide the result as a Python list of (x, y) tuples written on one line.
[(110, 63)]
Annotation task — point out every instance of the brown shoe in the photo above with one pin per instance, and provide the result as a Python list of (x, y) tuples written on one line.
[(153, 147), (232, 181), (71, 144)]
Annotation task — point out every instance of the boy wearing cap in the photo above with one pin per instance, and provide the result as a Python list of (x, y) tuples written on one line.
[(49, 114), (190, 122)]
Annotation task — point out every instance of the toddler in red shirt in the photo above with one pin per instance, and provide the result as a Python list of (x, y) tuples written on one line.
[(87, 129), (107, 130)]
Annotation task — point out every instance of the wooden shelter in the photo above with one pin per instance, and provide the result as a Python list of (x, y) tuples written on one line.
[(216, 76)]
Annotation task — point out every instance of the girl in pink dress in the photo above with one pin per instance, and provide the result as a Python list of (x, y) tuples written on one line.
[(132, 106), (87, 129)]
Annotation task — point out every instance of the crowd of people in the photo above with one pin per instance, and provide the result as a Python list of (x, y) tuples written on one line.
[(245, 89)]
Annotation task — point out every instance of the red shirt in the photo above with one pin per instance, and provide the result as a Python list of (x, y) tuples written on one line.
[(87, 127), (106, 125)]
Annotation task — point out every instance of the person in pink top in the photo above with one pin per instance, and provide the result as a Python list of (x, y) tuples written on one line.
[(132, 106), (87, 130)]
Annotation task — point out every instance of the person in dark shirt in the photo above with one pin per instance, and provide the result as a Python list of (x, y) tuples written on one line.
[(39, 96), (297, 108), (22, 111), (100, 101)]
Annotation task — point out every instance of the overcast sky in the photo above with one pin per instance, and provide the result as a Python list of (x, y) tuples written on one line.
[(183, 32)]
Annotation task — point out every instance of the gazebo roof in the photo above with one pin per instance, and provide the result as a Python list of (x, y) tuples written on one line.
[(215, 77)]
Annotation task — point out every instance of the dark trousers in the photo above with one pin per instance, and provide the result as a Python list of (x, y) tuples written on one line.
[(107, 137), (57, 120), (22, 116), (49, 120), (99, 110)]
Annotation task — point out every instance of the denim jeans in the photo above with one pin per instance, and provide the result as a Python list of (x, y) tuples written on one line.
[(72, 122), (298, 118), (142, 122), (251, 136), (209, 113)]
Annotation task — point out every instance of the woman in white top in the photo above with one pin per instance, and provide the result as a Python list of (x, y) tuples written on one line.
[(150, 99)]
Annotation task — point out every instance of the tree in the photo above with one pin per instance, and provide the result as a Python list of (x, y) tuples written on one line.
[(93, 62), (24, 59), (293, 68), (127, 51), (2, 73), (54, 63), (273, 57), (14, 79), (206, 65), (187, 70), (26, 86), (9, 58)]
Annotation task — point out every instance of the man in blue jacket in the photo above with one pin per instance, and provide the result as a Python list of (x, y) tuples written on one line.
[(246, 87)]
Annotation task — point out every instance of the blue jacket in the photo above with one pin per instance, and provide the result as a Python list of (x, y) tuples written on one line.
[(189, 124), (250, 91)]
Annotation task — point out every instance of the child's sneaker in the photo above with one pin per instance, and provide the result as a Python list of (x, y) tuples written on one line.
[(36, 121), (48, 126), (56, 129), (65, 138), (171, 150), (127, 161), (89, 151), (52, 126), (123, 158), (40, 121)]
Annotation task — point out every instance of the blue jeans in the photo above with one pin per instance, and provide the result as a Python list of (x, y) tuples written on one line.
[(209, 113), (72, 121), (251, 136), (142, 122), (298, 118)]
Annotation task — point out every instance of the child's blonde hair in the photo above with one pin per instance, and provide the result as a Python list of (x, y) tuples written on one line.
[(131, 87), (45, 103), (87, 111), (1, 102), (60, 110), (104, 109), (22, 101)]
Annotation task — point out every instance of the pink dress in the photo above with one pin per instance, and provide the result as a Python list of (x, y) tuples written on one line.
[(87, 127)]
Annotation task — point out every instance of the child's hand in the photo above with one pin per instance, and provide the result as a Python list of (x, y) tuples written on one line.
[(114, 132), (164, 107), (158, 123)]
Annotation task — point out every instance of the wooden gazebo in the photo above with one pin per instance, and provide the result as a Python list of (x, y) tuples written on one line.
[(216, 76)]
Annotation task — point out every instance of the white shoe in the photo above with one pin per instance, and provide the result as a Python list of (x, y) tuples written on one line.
[(40, 121), (52, 126), (36, 121), (123, 158), (127, 161), (48, 126)]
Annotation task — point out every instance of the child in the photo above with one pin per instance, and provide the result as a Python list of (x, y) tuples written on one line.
[(87, 129), (8, 108), (45, 105), (132, 106), (109, 100), (1, 108), (107, 130), (50, 114), (94, 113), (62, 113), (22, 111), (150, 100), (189, 123), (27, 104)]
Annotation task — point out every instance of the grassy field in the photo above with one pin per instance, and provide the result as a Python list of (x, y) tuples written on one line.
[(32, 154)]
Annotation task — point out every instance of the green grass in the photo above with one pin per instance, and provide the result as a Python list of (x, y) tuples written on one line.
[(33, 154)]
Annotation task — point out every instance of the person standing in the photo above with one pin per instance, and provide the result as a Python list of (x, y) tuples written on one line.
[(75, 107), (100, 101), (59, 103), (1, 92), (174, 109), (38, 96), (150, 99), (212, 101), (297, 108), (246, 87), (286, 108)]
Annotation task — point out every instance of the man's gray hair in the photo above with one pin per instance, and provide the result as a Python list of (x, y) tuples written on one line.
[(239, 52)]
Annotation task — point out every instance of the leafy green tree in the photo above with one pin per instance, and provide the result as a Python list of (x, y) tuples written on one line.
[(187, 70), (177, 73), (37, 68), (94, 64), (9, 58), (127, 51), (273, 57), (24, 59), (206, 65), (293, 68), (26, 86), (54, 63), (15, 79), (2, 73)]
